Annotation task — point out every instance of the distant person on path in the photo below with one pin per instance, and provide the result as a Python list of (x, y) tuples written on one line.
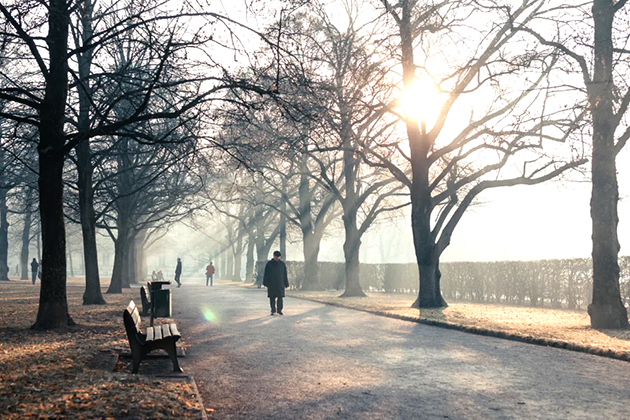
[(276, 280), (17, 270), (209, 273), (178, 272), (34, 270)]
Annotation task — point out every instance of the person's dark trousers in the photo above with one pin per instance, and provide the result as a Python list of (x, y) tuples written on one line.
[(208, 278), (34, 276), (177, 280), (272, 302)]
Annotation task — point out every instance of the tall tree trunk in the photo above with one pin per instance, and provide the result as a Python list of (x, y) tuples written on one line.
[(4, 237), (350, 203), (238, 257), (53, 302), (92, 294), (38, 243), (116, 283), (26, 236), (129, 263), (224, 264), (70, 264), (230, 263), (121, 249), (249, 263), (607, 309), (141, 259), (351, 248), (283, 220), (429, 294), (311, 269)]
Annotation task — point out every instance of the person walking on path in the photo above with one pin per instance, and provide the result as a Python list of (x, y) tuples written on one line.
[(209, 273), (34, 270), (276, 280), (178, 272)]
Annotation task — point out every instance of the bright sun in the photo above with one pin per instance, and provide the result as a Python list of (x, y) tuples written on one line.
[(422, 101)]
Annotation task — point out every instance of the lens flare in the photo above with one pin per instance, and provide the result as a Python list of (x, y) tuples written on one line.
[(208, 315)]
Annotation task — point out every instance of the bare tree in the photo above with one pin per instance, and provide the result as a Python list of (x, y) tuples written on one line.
[(594, 41), (501, 143), (38, 96)]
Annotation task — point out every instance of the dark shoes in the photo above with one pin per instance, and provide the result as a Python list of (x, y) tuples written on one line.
[(273, 313), (280, 313)]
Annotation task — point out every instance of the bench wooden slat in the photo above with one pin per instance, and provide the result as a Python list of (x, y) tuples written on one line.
[(136, 318), (166, 330), (174, 330), (158, 333), (150, 333)]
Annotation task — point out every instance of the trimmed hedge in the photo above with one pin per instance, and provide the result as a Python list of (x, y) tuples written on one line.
[(563, 283)]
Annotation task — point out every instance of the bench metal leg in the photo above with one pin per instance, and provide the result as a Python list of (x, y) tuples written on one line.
[(136, 359), (172, 353)]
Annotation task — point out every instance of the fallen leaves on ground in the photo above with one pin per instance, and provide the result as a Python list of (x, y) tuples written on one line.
[(67, 373)]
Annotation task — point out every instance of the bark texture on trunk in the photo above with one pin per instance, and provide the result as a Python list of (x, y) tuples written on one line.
[(230, 263), (26, 238), (4, 237), (310, 238), (116, 283), (53, 303), (249, 263), (238, 258), (85, 169), (607, 309), (92, 294), (351, 248), (311, 268)]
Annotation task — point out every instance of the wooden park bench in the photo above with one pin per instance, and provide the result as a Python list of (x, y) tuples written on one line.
[(159, 337), (146, 303)]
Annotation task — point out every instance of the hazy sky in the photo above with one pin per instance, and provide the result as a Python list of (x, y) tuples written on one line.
[(545, 221)]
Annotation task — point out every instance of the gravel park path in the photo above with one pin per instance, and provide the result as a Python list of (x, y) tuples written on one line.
[(324, 362)]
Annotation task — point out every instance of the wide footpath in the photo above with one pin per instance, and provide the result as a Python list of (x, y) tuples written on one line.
[(320, 361)]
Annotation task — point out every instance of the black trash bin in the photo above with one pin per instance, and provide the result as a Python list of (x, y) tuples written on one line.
[(160, 300), (162, 303)]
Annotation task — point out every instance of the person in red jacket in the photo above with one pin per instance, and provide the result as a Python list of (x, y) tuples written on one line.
[(209, 273)]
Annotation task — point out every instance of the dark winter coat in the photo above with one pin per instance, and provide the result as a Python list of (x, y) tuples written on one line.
[(275, 279), (178, 269), (34, 266)]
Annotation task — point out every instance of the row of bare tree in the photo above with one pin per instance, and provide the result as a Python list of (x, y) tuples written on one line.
[(523, 92)]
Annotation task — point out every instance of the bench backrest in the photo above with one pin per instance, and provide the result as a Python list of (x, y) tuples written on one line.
[(144, 298), (132, 320)]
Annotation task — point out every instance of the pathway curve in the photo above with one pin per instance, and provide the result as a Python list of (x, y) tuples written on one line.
[(322, 362)]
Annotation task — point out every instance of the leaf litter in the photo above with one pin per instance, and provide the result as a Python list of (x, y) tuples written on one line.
[(68, 373)]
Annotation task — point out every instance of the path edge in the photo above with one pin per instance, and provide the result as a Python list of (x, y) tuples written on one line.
[(566, 345)]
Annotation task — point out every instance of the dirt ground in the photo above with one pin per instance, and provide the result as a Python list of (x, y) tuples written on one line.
[(69, 373)]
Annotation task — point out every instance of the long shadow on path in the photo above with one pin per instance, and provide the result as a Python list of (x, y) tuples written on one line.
[(322, 362)]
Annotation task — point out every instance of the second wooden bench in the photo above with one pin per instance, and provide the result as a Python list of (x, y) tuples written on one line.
[(162, 336)]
